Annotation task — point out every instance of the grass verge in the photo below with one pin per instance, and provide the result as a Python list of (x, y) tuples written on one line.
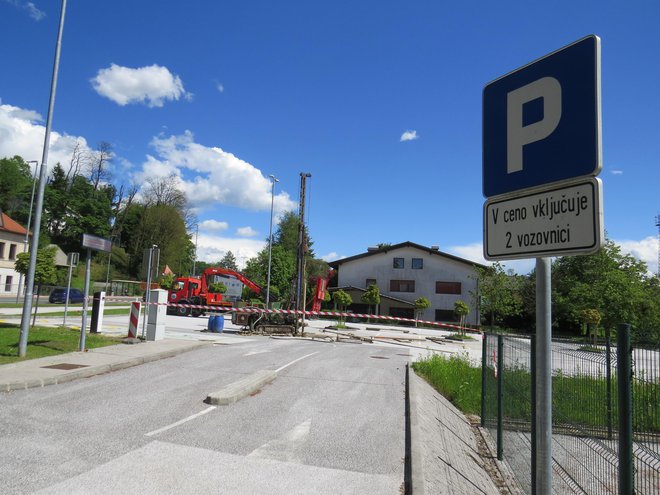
[(454, 378), (44, 342), (578, 400)]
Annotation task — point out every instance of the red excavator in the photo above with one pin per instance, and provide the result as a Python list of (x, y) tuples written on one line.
[(195, 291)]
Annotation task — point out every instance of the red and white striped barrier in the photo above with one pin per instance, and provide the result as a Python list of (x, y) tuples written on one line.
[(133, 320), (319, 314)]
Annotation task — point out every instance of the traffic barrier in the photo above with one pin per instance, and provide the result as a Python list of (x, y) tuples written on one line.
[(133, 320), (332, 314)]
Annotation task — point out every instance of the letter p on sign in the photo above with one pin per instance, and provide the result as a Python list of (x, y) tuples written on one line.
[(518, 135)]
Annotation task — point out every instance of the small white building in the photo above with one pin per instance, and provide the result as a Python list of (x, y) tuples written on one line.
[(12, 242), (406, 271)]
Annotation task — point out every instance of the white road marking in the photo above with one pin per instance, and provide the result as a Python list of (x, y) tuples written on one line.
[(284, 447), (252, 353), (295, 361), (185, 420)]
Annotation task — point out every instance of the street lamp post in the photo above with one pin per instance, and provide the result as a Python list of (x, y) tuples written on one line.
[(29, 284), (273, 180), (27, 230)]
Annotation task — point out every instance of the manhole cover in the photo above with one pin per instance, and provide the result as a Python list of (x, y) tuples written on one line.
[(379, 357), (66, 366)]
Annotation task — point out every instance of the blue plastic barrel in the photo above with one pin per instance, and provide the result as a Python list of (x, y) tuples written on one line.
[(219, 323), (211, 325)]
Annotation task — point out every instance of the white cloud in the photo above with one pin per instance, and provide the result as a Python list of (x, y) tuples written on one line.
[(21, 133), (213, 248), (218, 177), (246, 232), (31, 8), (409, 136), (617, 172), (213, 225), (645, 250), (475, 252), (332, 256), (151, 85), (220, 87)]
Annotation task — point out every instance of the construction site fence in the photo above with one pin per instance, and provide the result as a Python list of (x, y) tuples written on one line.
[(605, 412)]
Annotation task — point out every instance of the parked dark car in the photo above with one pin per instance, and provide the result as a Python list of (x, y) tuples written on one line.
[(59, 296)]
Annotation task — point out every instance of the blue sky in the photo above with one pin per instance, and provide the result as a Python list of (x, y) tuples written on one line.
[(379, 100)]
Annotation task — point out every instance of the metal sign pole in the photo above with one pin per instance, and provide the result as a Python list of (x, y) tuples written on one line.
[(146, 294), (543, 376), (68, 293), (83, 325)]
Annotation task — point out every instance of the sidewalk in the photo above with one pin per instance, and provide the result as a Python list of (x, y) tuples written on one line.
[(72, 366)]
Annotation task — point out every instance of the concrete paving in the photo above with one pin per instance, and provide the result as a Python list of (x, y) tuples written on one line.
[(445, 455)]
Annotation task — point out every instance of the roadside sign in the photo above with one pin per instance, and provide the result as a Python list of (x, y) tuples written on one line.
[(541, 123), (72, 259), (96, 243), (561, 220)]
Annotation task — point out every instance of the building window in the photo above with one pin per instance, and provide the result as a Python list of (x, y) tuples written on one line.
[(12, 251), (417, 263), (447, 287), (445, 315), (2, 250), (398, 263), (402, 286), (8, 283), (370, 281)]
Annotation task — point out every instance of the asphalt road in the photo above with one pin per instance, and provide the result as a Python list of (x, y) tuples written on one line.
[(332, 422)]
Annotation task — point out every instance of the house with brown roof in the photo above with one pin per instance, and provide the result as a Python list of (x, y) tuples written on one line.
[(12, 242), (406, 271)]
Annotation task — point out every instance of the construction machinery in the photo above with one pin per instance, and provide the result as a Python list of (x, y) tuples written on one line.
[(199, 292), (256, 320)]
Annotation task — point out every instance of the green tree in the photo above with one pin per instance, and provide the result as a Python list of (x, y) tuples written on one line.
[(421, 304), (371, 296), (462, 310), (15, 188), (342, 301), (499, 294), (613, 283), (217, 288), (591, 319), (229, 261), (45, 271)]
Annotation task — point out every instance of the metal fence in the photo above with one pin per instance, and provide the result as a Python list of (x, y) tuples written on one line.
[(586, 412)]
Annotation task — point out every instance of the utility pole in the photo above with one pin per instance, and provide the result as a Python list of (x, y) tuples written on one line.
[(29, 283), (302, 252)]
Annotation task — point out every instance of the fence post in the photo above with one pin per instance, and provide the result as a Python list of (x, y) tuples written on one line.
[(484, 364), (500, 412), (624, 382), (608, 367), (532, 365)]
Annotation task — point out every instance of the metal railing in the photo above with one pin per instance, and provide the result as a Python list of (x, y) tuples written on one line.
[(587, 439)]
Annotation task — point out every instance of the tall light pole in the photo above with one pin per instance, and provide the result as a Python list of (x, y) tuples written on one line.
[(27, 231), (273, 180), (29, 284)]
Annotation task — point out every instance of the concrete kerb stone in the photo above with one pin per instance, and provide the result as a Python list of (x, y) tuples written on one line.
[(241, 388), (416, 457)]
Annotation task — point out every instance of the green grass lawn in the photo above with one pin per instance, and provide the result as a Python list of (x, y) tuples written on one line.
[(44, 342), (576, 400)]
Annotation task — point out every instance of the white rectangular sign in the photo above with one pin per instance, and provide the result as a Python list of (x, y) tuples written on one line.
[(96, 243), (564, 220)]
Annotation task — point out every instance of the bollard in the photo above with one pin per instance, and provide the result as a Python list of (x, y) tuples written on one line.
[(134, 319), (97, 312)]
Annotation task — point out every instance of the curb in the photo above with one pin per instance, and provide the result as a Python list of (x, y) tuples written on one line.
[(93, 370), (242, 388), (415, 463)]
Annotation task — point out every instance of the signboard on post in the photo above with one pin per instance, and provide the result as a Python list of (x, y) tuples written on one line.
[(561, 220), (96, 243), (541, 123)]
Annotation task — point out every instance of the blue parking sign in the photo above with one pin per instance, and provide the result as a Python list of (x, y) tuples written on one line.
[(541, 123)]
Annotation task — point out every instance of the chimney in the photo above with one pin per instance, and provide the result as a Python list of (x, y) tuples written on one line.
[(435, 248)]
